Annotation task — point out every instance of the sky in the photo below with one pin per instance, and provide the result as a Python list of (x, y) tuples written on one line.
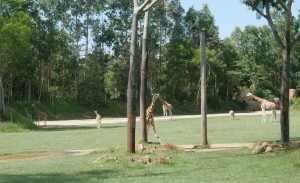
[(231, 14)]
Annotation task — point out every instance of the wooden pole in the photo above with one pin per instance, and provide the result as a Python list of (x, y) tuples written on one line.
[(203, 90)]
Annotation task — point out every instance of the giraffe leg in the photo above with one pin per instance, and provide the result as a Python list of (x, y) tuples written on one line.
[(156, 135), (98, 123), (170, 112), (165, 113), (263, 115), (271, 116)]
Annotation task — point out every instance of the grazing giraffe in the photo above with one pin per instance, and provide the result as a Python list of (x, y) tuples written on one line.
[(266, 105), (166, 107), (150, 117), (98, 119), (39, 114)]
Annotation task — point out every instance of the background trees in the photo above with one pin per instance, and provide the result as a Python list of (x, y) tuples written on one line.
[(45, 56)]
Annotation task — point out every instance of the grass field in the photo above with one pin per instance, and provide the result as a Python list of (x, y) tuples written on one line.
[(110, 140)]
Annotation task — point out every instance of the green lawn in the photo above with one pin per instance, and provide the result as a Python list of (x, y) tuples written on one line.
[(223, 166)]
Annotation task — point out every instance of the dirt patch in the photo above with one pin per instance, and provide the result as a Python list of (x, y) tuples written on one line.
[(186, 148), (16, 157), (215, 147)]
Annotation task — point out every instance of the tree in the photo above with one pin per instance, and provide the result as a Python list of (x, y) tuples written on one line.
[(131, 94), (285, 43), (15, 33), (144, 73)]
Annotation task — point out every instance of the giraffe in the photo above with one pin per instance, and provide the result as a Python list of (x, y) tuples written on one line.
[(166, 107), (231, 115), (150, 117), (28, 115), (39, 114), (266, 105), (98, 119)]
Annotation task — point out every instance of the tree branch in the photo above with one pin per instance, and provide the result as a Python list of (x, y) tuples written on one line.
[(295, 39), (273, 27), (255, 8), (283, 5), (150, 5), (142, 6), (135, 3)]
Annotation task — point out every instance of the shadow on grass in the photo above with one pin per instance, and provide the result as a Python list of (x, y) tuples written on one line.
[(64, 128), (91, 176), (295, 139)]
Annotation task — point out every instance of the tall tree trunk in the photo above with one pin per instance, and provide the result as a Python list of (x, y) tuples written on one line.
[(2, 103), (131, 107), (285, 85), (144, 73), (87, 28), (284, 113), (63, 57), (29, 91)]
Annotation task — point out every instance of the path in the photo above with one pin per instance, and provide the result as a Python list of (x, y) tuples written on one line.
[(83, 122)]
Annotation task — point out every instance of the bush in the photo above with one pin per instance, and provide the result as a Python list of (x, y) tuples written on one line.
[(295, 104)]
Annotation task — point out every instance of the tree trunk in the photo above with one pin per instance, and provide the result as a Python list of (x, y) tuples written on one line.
[(144, 73), (2, 103), (131, 107), (285, 85), (203, 90), (284, 113)]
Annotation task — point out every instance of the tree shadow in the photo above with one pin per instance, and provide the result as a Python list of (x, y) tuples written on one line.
[(65, 128), (89, 176), (295, 139)]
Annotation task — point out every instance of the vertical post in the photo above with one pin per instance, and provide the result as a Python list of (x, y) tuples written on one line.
[(203, 90)]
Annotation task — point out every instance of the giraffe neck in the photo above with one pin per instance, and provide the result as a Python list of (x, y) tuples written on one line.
[(162, 101), (151, 107), (258, 98)]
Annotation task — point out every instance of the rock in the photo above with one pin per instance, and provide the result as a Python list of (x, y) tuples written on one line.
[(163, 160), (170, 147), (140, 147), (268, 149), (153, 149), (266, 143), (145, 160)]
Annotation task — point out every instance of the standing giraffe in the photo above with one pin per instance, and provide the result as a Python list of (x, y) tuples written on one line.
[(40, 114), (150, 117), (28, 115), (98, 119), (166, 107), (266, 105)]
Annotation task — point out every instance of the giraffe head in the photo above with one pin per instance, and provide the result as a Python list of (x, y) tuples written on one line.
[(249, 95), (155, 96)]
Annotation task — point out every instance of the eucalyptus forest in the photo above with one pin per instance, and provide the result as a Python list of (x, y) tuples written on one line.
[(78, 51)]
